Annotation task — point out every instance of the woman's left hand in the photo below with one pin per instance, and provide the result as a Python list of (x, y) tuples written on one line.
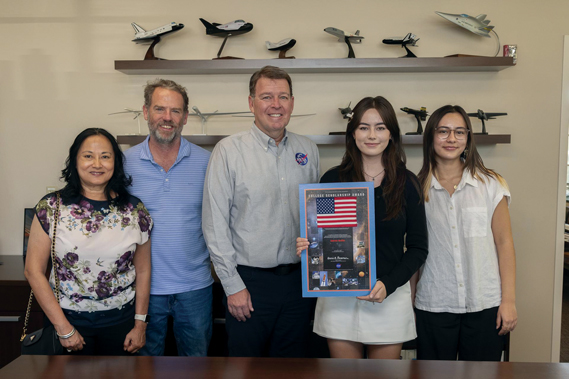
[(377, 294), (507, 318), (136, 338)]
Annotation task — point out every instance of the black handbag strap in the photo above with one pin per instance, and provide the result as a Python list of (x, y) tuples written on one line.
[(53, 265)]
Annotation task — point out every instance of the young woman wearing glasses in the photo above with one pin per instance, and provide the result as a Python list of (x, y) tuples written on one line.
[(465, 300)]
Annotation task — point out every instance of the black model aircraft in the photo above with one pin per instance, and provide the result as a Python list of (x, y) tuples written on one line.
[(346, 112), (410, 39), (233, 28), (420, 115), (485, 116)]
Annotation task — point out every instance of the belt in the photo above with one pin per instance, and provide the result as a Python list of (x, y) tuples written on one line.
[(279, 270)]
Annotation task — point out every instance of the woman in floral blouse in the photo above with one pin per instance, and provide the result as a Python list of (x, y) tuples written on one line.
[(102, 249)]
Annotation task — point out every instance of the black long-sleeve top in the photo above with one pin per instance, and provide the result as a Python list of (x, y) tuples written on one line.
[(395, 267)]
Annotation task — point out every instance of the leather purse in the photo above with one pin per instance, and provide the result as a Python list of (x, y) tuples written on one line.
[(43, 341)]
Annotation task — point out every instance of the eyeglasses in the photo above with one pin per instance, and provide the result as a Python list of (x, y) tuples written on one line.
[(443, 133)]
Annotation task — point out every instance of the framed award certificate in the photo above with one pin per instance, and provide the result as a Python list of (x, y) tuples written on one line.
[(339, 222)]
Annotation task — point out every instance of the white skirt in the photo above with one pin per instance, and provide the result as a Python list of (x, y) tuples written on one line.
[(347, 318)]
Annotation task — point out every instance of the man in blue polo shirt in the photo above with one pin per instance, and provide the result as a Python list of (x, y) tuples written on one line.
[(168, 176)]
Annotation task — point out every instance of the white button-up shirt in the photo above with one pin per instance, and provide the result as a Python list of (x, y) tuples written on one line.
[(461, 273)]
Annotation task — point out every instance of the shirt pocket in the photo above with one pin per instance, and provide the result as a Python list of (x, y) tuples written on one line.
[(474, 222)]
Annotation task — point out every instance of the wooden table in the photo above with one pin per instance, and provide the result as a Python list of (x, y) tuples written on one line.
[(273, 368)]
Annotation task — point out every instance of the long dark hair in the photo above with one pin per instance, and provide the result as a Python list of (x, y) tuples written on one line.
[(470, 157), (118, 182), (393, 157)]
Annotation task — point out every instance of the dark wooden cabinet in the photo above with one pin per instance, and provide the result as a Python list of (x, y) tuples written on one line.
[(14, 295)]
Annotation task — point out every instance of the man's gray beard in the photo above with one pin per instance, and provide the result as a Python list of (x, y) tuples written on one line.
[(165, 141)]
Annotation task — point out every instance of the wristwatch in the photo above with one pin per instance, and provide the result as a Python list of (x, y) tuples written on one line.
[(143, 318)]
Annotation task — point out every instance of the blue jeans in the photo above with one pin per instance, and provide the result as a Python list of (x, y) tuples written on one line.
[(192, 316)]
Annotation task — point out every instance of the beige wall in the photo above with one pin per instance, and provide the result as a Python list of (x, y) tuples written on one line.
[(57, 78)]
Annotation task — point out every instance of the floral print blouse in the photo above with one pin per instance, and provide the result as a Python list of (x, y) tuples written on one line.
[(95, 246)]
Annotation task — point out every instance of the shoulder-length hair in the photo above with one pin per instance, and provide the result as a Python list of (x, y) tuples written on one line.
[(117, 184), (393, 157), (470, 157)]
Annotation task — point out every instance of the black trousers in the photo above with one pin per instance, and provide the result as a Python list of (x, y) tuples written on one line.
[(104, 341), (470, 336), (280, 323)]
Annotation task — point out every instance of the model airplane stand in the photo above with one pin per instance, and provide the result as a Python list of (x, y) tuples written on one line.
[(420, 115), (282, 55), (350, 50), (409, 53), (221, 49), (150, 52)]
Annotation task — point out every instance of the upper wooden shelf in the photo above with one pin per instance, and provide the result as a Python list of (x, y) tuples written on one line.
[(489, 139), (336, 65)]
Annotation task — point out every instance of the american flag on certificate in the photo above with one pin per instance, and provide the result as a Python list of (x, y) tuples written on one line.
[(336, 212)]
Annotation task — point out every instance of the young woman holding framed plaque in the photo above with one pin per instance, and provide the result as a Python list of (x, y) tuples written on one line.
[(382, 320)]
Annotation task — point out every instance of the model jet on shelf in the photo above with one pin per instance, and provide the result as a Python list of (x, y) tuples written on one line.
[(196, 113), (347, 114), (485, 116), (282, 46), (477, 25), (143, 36), (233, 28), (420, 115), (409, 40), (135, 112), (347, 38), (205, 116)]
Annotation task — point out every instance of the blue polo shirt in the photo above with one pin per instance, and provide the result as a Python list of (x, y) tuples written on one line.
[(180, 259)]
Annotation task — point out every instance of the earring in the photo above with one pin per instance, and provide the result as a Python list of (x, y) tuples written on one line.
[(464, 154)]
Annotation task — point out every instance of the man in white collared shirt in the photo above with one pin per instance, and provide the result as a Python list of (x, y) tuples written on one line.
[(251, 221)]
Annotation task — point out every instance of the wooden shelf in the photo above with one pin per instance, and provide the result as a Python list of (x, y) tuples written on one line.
[(490, 139), (325, 65)]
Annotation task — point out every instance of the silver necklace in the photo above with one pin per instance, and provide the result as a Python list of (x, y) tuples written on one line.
[(373, 177)]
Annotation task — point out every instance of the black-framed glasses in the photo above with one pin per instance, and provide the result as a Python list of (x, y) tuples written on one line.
[(443, 132)]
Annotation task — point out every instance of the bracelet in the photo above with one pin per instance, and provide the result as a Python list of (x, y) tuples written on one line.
[(68, 335)]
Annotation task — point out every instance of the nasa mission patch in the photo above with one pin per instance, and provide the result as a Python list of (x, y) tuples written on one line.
[(301, 159)]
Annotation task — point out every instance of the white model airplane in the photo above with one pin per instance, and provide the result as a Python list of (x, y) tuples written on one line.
[(197, 113), (477, 25), (292, 115), (283, 46), (355, 38), (142, 36), (205, 116), (347, 38)]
